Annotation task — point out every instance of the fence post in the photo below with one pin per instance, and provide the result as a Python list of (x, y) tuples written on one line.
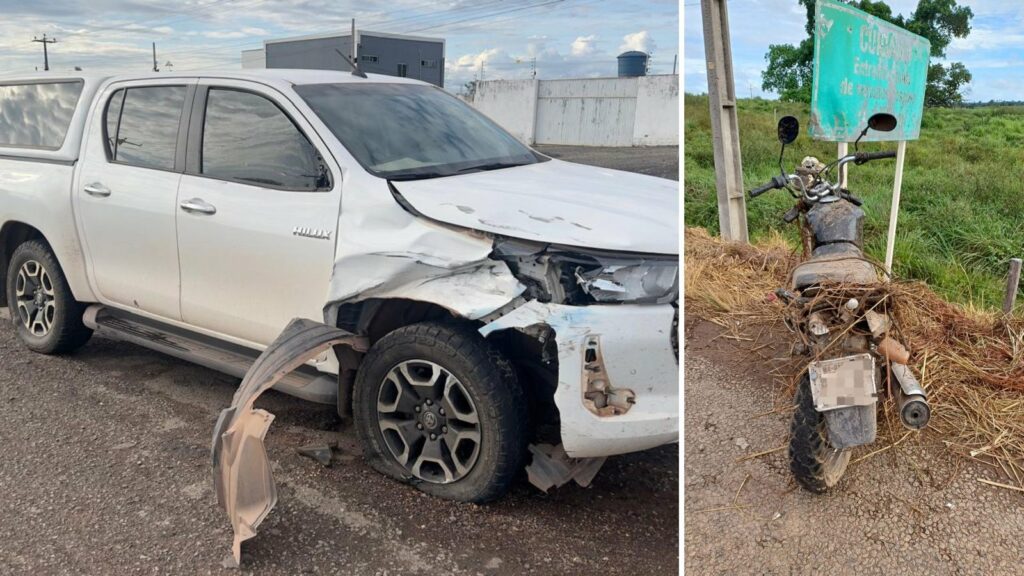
[(1012, 283)]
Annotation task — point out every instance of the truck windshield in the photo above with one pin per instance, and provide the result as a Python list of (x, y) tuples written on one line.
[(412, 132)]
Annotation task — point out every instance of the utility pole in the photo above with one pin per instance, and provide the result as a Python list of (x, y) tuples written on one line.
[(46, 56), (675, 61), (481, 71), (732, 207), (533, 67), (155, 69), (355, 44)]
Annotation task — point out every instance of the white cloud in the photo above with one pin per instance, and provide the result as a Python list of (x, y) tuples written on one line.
[(641, 41), (584, 45), (226, 34)]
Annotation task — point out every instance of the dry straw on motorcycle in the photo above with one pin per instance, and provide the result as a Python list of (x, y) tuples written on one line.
[(970, 362)]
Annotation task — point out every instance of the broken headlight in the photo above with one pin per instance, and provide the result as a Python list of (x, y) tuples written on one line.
[(566, 275), (639, 282)]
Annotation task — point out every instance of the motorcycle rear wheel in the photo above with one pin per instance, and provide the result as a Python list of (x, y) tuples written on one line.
[(815, 463)]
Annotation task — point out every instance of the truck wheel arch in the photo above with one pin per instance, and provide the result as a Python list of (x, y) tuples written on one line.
[(12, 235), (377, 317)]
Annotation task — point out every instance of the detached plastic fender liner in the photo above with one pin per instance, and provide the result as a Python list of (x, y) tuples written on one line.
[(242, 475)]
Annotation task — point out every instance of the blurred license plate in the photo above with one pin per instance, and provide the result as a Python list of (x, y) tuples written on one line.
[(843, 382)]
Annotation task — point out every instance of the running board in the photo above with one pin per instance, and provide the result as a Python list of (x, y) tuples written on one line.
[(306, 382)]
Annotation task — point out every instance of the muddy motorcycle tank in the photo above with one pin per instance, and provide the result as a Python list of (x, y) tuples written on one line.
[(834, 222)]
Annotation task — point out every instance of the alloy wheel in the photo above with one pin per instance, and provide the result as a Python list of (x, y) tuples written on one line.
[(429, 421), (35, 299)]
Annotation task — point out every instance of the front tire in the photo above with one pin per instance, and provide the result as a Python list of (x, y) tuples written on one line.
[(814, 462), (44, 312), (436, 406)]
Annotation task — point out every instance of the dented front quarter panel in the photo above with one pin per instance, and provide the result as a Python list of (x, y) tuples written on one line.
[(636, 347), (386, 252), (242, 476)]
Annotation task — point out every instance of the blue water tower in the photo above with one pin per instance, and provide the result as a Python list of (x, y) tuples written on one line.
[(633, 63)]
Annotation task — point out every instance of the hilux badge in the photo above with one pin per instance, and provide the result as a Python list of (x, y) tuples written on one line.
[(311, 233)]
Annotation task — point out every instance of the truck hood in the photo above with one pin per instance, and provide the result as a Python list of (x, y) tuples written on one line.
[(557, 202)]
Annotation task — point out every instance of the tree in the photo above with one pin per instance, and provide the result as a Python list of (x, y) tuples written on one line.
[(791, 68)]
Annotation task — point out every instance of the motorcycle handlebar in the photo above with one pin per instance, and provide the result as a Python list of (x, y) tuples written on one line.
[(776, 182), (862, 157)]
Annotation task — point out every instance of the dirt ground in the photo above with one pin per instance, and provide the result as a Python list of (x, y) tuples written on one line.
[(914, 509), (105, 469)]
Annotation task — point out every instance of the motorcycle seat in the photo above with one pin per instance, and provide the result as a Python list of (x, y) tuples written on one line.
[(834, 263)]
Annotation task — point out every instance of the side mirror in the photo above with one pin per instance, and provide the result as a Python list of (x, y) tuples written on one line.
[(789, 129), (882, 122)]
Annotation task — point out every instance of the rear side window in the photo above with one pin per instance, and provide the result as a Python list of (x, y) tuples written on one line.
[(37, 115), (142, 125), (248, 139)]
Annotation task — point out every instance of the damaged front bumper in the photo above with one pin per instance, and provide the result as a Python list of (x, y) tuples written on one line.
[(618, 373), (242, 476)]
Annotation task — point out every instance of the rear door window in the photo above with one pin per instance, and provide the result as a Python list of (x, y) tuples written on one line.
[(145, 125), (247, 138), (37, 115)]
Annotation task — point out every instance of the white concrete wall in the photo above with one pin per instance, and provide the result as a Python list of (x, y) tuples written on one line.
[(256, 58), (657, 111), (510, 103), (640, 111), (598, 112)]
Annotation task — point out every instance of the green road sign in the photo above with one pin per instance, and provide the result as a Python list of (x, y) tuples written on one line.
[(864, 65)]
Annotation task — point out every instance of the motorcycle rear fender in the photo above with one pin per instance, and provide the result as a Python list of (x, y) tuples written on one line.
[(845, 391)]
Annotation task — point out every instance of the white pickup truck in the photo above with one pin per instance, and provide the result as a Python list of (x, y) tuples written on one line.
[(508, 303)]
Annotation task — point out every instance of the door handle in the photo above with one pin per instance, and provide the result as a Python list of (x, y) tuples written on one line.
[(97, 189), (198, 206)]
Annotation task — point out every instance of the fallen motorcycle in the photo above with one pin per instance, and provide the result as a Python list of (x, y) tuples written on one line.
[(841, 313)]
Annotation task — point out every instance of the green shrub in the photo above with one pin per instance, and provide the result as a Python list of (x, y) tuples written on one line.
[(960, 215)]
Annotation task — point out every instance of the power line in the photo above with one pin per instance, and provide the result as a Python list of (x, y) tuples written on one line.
[(482, 16), (530, 7), (418, 19)]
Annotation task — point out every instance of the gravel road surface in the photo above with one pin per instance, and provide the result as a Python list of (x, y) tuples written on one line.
[(105, 469), (661, 161), (910, 510)]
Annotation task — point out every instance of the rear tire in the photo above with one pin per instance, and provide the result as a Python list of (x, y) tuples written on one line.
[(455, 386), (45, 314), (816, 465)]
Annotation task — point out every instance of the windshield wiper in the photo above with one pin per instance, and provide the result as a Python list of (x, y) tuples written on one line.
[(490, 166), (418, 176)]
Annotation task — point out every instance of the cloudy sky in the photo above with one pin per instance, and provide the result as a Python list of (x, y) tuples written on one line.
[(994, 51), (568, 37)]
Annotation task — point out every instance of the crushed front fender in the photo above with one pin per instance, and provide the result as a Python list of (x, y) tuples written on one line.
[(242, 475)]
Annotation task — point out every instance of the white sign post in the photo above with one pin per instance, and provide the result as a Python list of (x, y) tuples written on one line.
[(894, 211)]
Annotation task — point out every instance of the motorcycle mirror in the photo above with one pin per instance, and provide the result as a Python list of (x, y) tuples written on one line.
[(882, 122), (789, 129)]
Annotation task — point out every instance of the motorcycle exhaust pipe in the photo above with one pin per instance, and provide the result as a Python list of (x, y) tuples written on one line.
[(910, 399), (914, 410)]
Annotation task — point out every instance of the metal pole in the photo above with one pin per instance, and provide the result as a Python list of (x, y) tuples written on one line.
[(155, 69), (1012, 285), (675, 62), (844, 148), (732, 207), (355, 45), (897, 185)]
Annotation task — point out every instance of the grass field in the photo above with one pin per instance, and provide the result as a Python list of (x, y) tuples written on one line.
[(962, 205)]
